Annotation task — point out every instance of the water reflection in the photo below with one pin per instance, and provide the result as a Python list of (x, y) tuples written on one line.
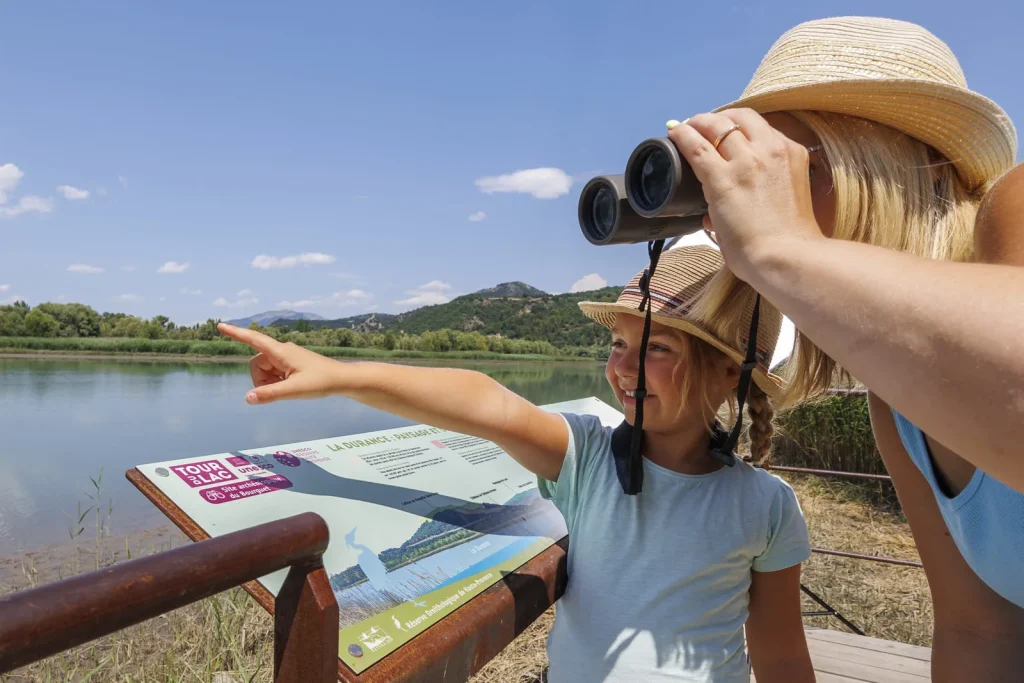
[(62, 420)]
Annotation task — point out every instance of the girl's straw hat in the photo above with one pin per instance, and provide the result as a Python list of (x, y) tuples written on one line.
[(680, 277), (890, 72)]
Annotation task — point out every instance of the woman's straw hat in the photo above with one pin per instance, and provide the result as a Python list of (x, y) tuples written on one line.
[(890, 72), (680, 277)]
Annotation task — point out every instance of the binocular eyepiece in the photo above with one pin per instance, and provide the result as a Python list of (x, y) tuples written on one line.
[(658, 197)]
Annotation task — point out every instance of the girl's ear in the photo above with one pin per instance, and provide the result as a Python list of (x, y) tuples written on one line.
[(728, 371), (732, 373)]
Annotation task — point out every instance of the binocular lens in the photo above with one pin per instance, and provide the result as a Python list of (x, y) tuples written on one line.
[(658, 197), (602, 212), (654, 182)]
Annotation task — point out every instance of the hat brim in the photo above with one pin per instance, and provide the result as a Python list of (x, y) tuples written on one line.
[(605, 312), (972, 131)]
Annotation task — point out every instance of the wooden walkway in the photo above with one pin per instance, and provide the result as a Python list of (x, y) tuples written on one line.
[(841, 657)]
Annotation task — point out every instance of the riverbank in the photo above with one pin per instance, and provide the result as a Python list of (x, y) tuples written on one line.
[(230, 638)]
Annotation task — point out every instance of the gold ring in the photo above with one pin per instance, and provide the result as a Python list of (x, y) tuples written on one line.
[(721, 137)]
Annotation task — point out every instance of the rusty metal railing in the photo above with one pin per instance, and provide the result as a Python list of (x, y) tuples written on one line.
[(38, 623), (829, 610)]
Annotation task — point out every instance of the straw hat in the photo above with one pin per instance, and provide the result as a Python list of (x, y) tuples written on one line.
[(890, 72), (681, 275)]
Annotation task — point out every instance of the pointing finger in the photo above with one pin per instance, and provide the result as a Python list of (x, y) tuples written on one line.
[(256, 340)]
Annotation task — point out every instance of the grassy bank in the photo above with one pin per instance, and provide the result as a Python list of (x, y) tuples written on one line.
[(198, 350), (229, 638)]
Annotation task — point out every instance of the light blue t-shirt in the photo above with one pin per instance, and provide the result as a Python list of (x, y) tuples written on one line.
[(658, 586), (985, 520)]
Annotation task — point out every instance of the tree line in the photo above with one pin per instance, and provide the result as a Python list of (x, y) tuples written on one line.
[(74, 320)]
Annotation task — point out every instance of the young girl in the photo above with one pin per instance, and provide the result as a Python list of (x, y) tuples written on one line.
[(661, 584)]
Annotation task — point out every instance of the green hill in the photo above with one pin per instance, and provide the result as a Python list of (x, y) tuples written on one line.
[(513, 310)]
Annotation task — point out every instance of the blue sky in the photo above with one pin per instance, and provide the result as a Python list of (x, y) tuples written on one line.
[(329, 156)]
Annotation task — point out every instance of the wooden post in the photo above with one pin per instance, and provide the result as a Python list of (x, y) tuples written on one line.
[(306, 628)]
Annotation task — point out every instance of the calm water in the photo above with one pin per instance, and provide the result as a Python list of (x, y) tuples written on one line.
[(62, 421)]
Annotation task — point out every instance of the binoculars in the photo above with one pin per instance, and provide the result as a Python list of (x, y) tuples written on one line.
[(658, 197)]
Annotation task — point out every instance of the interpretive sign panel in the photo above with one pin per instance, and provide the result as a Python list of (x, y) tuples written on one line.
[(421, 519)]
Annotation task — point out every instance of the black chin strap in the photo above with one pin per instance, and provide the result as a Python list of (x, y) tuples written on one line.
[(627, 440), (725, 453)]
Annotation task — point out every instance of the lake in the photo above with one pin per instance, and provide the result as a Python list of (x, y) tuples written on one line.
[(62, 421)]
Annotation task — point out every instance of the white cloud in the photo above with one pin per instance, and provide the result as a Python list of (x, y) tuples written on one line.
[(70, 192), (163, 298), (124, 181), (83, 269), (128, 269), (173, 268), (102, 191), (11, 300), (10, 176), (28, 204), (221, 302), (477, 217), (4, 288), (193, 292), (588, 282), (129, 298), (62, 298), (434, 292), (542, 183), (245, 292), (350, 297), (263, 262)]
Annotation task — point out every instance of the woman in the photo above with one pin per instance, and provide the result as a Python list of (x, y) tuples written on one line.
[(871, 260)]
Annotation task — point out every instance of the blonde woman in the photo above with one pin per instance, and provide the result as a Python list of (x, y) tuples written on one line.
[(875, 259), (697, 578)]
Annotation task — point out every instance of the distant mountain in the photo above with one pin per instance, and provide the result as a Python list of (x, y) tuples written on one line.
[(511, 290), (271, 316), (514, 310)]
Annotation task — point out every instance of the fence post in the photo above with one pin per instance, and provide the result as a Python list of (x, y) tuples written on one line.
[(306, 627)]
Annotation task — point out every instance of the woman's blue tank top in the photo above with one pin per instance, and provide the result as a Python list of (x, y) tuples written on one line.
[(986, 519)]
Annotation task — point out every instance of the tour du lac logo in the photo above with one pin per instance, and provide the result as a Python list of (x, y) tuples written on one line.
[(198, 474)]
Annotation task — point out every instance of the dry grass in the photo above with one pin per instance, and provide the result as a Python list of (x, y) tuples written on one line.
[(884, 601), (230, 638)]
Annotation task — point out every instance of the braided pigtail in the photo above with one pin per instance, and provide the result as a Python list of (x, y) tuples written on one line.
[(762, 424)]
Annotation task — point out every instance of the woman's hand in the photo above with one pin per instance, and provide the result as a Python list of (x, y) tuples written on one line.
[(284, 371), (756, 183)]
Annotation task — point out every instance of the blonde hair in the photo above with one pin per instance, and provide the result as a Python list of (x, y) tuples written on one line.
[(891, 191), (723, 316)]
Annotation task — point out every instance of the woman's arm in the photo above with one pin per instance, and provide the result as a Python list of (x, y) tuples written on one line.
[(977, 633), (459, 400), (941, 342), (775, 630)]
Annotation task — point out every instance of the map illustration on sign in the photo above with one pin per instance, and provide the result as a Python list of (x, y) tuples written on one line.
[(421, 519)]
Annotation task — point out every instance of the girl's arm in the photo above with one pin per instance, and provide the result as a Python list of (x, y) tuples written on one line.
[(775, 630), (462, 401), (940, 342)]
